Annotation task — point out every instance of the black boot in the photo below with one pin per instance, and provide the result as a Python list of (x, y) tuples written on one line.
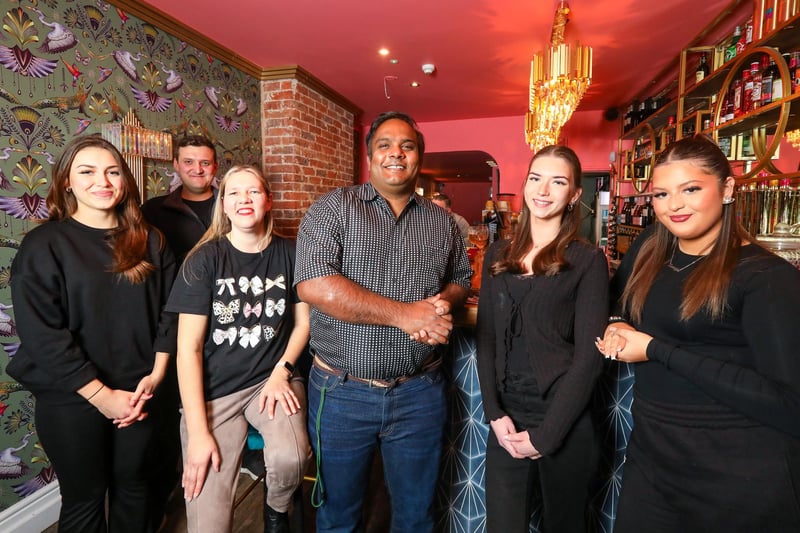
[(275, 522)]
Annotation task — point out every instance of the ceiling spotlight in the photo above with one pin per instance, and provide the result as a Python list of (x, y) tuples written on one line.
[(384, 51), (394, 61), (428, 68), (415, 84)]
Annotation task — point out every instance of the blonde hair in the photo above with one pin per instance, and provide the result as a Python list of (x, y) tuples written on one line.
[(220, 223)]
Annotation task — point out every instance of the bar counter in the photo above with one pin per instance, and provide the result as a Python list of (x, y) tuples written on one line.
[(460, 502)]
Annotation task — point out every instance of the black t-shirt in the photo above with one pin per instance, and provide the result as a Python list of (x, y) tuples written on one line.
[(248, 298)]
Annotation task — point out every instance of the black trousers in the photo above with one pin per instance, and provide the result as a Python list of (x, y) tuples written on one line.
[(558, 482), (704, 469), (92, 458)]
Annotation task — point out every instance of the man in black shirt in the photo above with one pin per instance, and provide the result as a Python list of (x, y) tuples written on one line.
[(182, 216), (185, 214)]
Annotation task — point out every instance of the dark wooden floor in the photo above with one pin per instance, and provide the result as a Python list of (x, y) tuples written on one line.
[(248, 515)]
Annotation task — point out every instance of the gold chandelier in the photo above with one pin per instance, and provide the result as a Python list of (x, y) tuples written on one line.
[(794, 138), (559, 77)]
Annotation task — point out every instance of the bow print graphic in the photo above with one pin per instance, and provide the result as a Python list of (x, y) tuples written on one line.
[(254, 284), (222, 335), (252, 310), (279, 282), (249, 336), (272, 307), (225, 282), (224, 313)]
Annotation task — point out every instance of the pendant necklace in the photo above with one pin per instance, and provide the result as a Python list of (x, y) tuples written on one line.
[(681, 269)]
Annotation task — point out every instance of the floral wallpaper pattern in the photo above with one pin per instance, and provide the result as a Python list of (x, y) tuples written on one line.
[(66, 68)]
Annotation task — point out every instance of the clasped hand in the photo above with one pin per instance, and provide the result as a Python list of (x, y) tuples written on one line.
[(624, 343), (517, 443), (430, 321)]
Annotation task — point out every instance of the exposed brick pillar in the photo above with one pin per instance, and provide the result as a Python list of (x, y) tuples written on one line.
[(308, 142)]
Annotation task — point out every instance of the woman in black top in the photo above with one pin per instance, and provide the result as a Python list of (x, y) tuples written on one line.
[(542, 301), (88, 287), (711, 319)]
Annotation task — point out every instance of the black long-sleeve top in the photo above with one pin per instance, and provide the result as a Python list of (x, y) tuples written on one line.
[(77, 320), (748, 361), (562, 315)]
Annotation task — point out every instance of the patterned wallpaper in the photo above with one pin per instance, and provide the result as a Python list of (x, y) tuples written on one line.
[(67, 67)]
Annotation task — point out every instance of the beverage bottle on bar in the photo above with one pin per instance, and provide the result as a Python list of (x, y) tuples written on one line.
[(755, 75), (702, 69), (730, 51), (737, 97), (747, 92), (768, 80), (796, 72)]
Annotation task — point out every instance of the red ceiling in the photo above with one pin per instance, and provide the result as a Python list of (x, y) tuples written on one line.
[(481, 48)]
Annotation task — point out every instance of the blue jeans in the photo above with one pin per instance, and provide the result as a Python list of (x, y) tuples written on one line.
[(406, 422)]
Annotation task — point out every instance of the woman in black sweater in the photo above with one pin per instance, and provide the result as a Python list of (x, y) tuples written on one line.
[(88, 287), (542, 301), (716, 436)]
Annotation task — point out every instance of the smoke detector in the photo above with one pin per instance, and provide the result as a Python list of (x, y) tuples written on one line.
[(428, 68)]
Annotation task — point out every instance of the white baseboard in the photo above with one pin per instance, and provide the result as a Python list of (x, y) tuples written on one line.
[(33, 514)]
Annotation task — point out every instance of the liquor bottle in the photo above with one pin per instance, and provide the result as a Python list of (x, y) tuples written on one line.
[(730, 51), (702, 69), (747, 92), (748, 31), (768, 80), (755, 75), (737, 97), (729, 106), (651, 214), (794, 70)]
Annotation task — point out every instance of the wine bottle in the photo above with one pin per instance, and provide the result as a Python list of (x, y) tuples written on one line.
[(702, 69)]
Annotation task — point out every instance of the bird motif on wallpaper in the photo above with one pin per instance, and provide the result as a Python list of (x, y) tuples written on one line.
[(83, 123), (127, 62), (241, 107), (59, 39), (74, 71), (26, 207), (67, 103), (46, 476), (23, 62), (8, 328), (173, 81), (4, 183), (10, 348), (105, 73), (11, 466), (211, 94), (151, 100), (122, 16)]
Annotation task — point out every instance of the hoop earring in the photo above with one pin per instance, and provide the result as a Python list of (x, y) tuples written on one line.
[(69, 189), (728, 200), (570, 206)]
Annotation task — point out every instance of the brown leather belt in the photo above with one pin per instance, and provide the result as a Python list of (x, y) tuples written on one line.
[(430, 364)]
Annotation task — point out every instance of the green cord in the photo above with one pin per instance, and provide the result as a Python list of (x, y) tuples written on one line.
[(318, 491)]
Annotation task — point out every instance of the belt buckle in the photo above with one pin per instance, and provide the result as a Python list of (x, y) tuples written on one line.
[(381, 383)]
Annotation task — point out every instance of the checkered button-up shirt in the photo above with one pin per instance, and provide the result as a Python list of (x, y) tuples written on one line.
[(353, 232)]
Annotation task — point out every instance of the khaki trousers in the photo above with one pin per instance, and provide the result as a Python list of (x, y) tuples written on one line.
[(286, 455)]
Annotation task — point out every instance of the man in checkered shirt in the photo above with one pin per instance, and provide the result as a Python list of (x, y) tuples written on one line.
[(383, 270)]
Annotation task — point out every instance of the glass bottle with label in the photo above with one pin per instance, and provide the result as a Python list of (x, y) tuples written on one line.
[(755, 75), (702, 69), (730, 51)]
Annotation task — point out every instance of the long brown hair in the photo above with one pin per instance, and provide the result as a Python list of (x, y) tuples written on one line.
[(707, 286), (220, 223), (550, 260), (129, 239)]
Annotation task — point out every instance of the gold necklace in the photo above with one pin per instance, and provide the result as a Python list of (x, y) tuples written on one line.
[(681, 269)]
